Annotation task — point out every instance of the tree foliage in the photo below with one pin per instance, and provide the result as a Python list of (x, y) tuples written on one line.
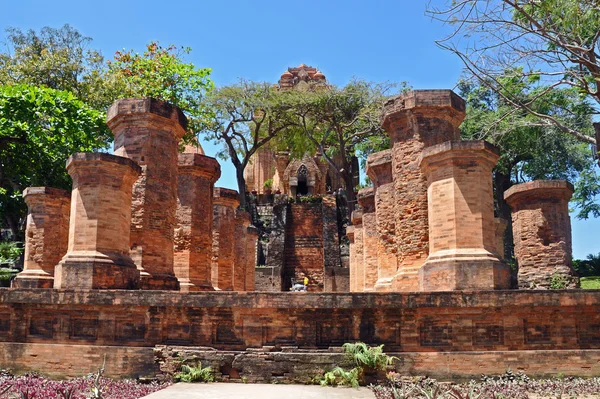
[(245, 117), (58, 59), (161, 73), (39, 129), (554, 42)]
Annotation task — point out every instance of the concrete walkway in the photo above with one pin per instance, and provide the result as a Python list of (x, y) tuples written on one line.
[(258, 391)]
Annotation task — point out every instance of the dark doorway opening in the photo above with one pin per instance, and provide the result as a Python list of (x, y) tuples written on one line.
[(302, 188)]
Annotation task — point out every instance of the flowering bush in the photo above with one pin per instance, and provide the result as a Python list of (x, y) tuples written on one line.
[(510, 385), (35, 386)]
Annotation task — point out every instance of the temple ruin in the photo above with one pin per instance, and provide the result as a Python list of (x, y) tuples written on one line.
[(155, 260)]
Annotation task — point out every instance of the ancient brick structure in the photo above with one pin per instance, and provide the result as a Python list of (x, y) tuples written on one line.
[(357, 263), (542, 233), (366, 199), (350, 230), (47, 233), (193, 233), (98, 249), (148, 132), (414, 121), (501, 225), (225, 202), (241, 255), (251, 242), (462, 230), (379, 170)]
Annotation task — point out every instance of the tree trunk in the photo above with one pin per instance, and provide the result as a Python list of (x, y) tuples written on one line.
[(501, 184), (351, 197), (239, 174)]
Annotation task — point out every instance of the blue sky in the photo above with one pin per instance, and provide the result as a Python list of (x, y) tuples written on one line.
[(258, 40)]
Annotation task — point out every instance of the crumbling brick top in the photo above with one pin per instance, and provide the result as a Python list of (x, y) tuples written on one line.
[(103, 157), (136, 106), (457, 149), (226, 196), (199, 164), (539, 188), (366, 199), (379, 166), (356, 217), (350, 233), (51, 191)]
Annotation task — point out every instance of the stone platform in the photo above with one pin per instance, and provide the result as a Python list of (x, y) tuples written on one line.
[(442, 334)]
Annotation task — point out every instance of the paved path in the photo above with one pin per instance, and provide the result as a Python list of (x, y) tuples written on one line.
[(258, 391)]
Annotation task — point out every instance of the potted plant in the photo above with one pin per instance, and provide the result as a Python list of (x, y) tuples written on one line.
[(268, 184)]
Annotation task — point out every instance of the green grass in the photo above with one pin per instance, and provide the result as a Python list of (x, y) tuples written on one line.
[(590, 283)]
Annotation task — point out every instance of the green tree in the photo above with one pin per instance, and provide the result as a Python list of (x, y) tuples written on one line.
[(58, 59), (161, 73), (554, 41), (339, 122), (244, 118), (39, 129)]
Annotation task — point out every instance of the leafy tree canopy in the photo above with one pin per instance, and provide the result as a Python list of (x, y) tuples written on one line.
[(39, 129), (161, 72)]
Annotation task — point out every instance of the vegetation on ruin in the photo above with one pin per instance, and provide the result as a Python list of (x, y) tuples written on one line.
[(33, 385), (509, 385), (161, 73), (590, 283), (39, 129), (553, 42), (245, 117), (196, 373)]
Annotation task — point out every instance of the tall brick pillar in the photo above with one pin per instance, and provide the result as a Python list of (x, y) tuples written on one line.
[(240, 262), (542, 233), (414, 121), (366, 199), (462, 230), (379, 170), (193, 234), (225, 202), (352, 257), (46, 235), (251, 241), (98, 251), (357, 267), (148, 132)]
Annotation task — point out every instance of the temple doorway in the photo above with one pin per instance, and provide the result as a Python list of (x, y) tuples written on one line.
[(302, 188)]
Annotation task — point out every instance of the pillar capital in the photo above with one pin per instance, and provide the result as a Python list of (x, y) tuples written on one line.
[(379, 167), (102, 161), (444, 154), (523, 194), (366, 199), (357, 217), (146, 111), (350, 233), (199, 165), (423, 113), (31, 194), (226, 197)]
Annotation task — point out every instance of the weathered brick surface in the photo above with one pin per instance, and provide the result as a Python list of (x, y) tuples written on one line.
[(98, 249), (304, 246), (268, 279), (225, 202), (366, 199), (251, 243), (357, 261), (414, 121), (379, 170), (46, 235), (542, 232), (462, 230), (241, 255), (148, 132), (193, 233), (501, 225)]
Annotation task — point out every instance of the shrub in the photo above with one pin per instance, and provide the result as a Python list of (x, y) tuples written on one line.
[(268, 184), (195, 374), (10, 251), (368, 357), (339, 376)]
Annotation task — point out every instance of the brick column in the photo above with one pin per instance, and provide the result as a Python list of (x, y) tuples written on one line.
[(352, 258), (251, 241), (542, 233), (462, 230), (240, 262), (225, 202), (98, 252), (148, 132), (379, 170), (46, 235), (366, 199), (414, 121), (501, 225), (193, 234), (357, 269)]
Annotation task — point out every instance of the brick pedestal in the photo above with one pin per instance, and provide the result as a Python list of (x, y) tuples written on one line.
[(542, 233), (98, 251), (240, 262), (225, 202), (148, 132), (462, 230), (193, 234), (366, 199), (379, 170), (357, 269), (414, 121), (46, 235)]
